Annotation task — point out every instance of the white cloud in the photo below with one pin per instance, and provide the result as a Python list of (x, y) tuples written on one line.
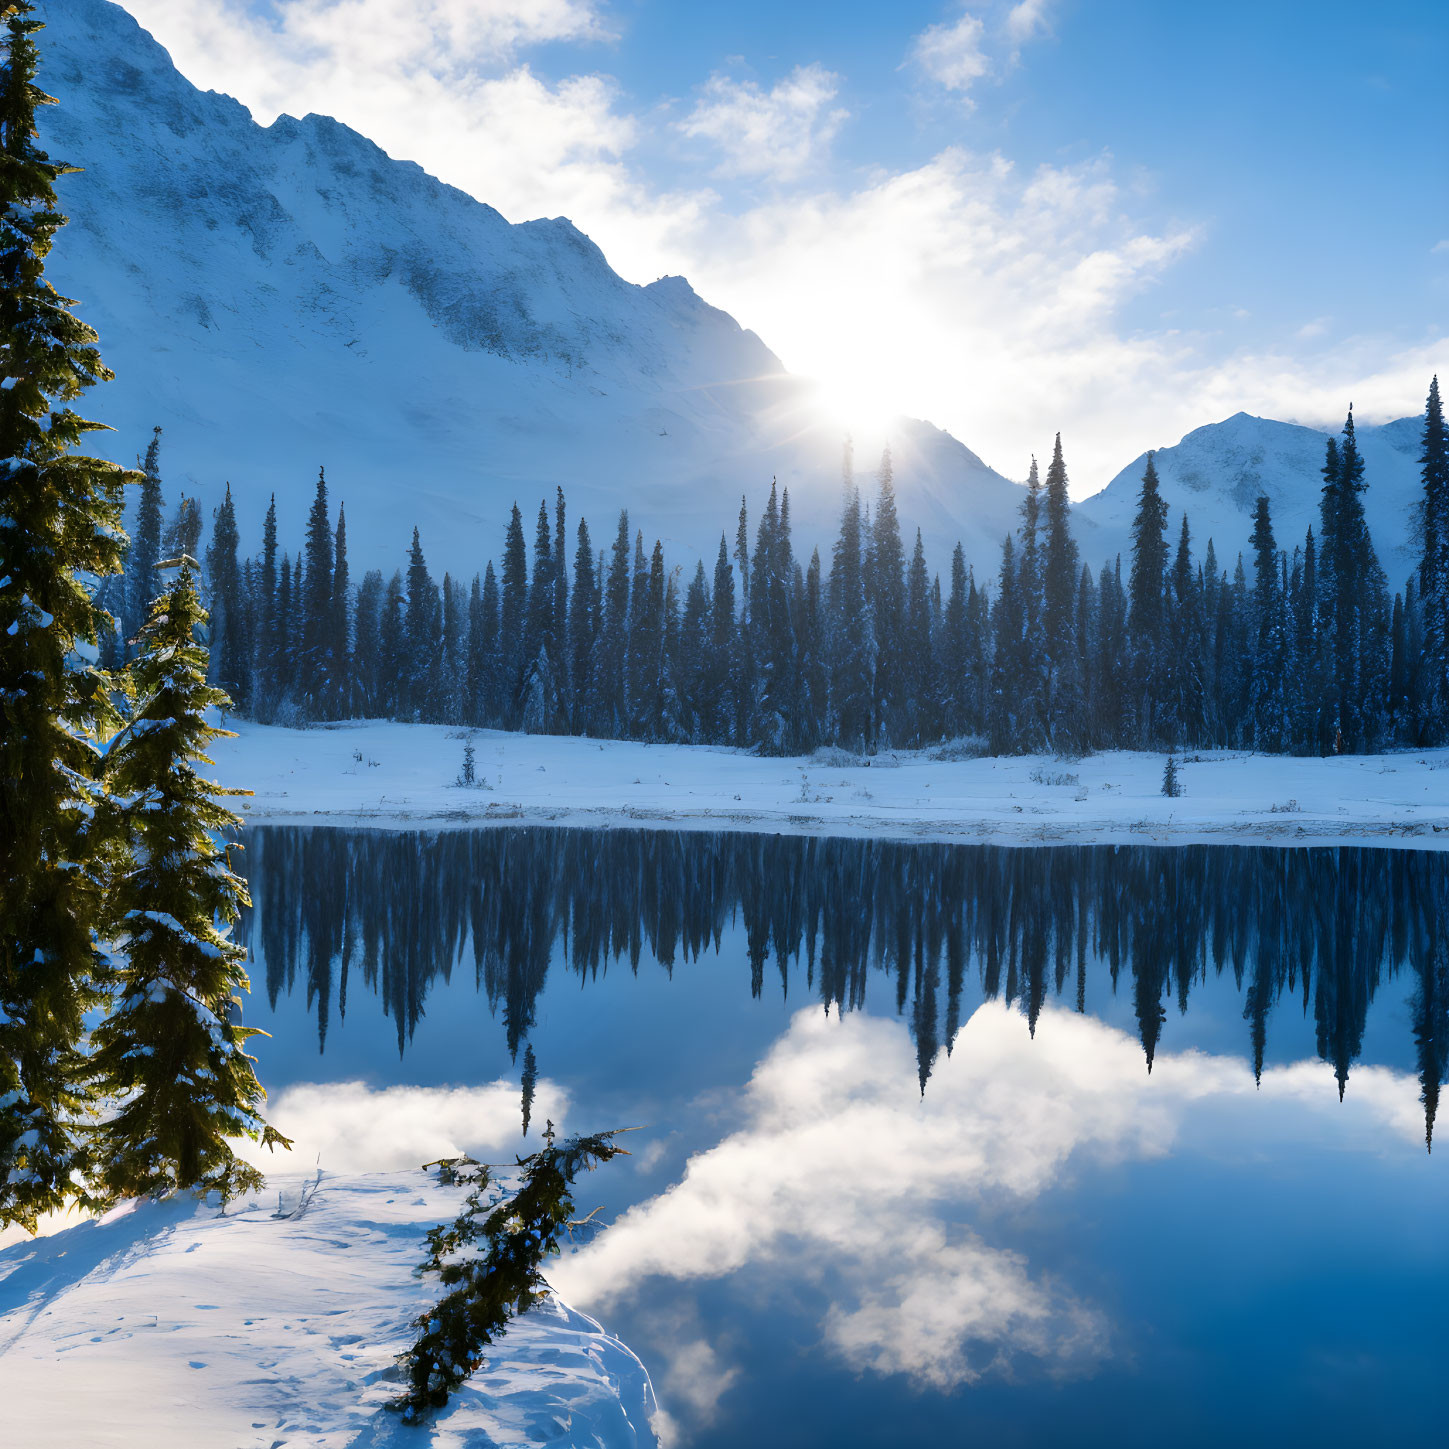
[(1439, 247), (841, 1177), (952, 54), (958, 289), (779, 133), (1027, 19), (352, 1127)]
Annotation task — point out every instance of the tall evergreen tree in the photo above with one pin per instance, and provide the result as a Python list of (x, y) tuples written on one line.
[(172, 1050), (60, 524), (490, 684), (1145, 606), (512, 644), (1267, 681), (853, 655), (611, 700), (141, 582), (339, 621), (885, 591), (424, 636), (1355, 600), (1061, 685), (314, 662), (583, 620), (265, 674), (723, 683), (1434, 566), (955, 649), (229, 655)]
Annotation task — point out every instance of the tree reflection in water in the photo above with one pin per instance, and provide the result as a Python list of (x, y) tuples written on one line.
[(1327, 926)]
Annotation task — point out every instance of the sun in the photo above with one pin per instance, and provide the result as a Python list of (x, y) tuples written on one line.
[(854, 403)]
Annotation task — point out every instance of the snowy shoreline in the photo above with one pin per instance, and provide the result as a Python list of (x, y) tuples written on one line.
[(378, 774), (170, 1324)]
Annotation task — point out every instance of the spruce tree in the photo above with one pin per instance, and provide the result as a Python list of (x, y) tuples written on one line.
[(60, 526), (1356, 601), (559, 644), (314, 663), (583, 620), (723, 683), (141, 582), (172, 1050), (955, 666), (339, 622), (1434, 566), (885, 592), (853, 650), (230, 665), (1061, 687), (367, 645), (512, 645), (473, 685), (917, 665), (1267, 664), (611, 703), (1006, 624), (694, 644), (424, 636), (491, 686), (265, 671), (1145, 605), (283, 653)]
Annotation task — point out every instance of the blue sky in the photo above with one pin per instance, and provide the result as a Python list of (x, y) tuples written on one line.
[(1121, 219)]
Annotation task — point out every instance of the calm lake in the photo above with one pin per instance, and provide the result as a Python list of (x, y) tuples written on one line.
[(942, 1144)]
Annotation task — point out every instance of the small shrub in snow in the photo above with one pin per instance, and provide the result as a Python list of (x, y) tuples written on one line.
[(1171, 784), (1288, 807), (468, 775), (1053, 777), (834, 758), (963, 747)]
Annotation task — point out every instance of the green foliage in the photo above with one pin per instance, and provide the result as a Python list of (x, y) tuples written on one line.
[(171, 1051), (60, 532), (488, 1259)]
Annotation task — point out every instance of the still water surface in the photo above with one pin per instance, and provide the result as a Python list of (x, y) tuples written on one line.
[(943, 1144)]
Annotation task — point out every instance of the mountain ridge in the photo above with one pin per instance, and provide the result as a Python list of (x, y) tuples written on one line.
[(287, 296), (282, 297)]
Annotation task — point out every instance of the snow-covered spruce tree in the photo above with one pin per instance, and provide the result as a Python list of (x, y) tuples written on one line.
[(171, 1052), (60, 524), (488, 1259)]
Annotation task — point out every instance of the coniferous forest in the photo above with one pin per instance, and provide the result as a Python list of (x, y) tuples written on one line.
[(1300, 648)]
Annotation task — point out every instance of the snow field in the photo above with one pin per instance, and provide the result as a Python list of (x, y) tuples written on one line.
[(405, 775), (170, 1326)]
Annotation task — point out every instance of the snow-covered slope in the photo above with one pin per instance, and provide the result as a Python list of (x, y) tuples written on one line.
[(283, 297), (1216, 473), (169, 1326)]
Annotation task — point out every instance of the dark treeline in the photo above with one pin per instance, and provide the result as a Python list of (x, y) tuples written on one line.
[(1300, 648), (1322, 928)]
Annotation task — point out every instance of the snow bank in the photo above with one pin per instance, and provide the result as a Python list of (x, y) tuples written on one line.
[(169, 1326), (406, 775)]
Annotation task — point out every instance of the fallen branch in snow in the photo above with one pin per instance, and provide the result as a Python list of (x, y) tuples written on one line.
[(488, 1258)]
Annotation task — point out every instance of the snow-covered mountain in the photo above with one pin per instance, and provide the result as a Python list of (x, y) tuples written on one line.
[(1216, 473), (287, 296)]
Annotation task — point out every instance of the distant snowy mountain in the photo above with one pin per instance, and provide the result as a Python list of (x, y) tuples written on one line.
[(1216, 473), (287, 296)]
